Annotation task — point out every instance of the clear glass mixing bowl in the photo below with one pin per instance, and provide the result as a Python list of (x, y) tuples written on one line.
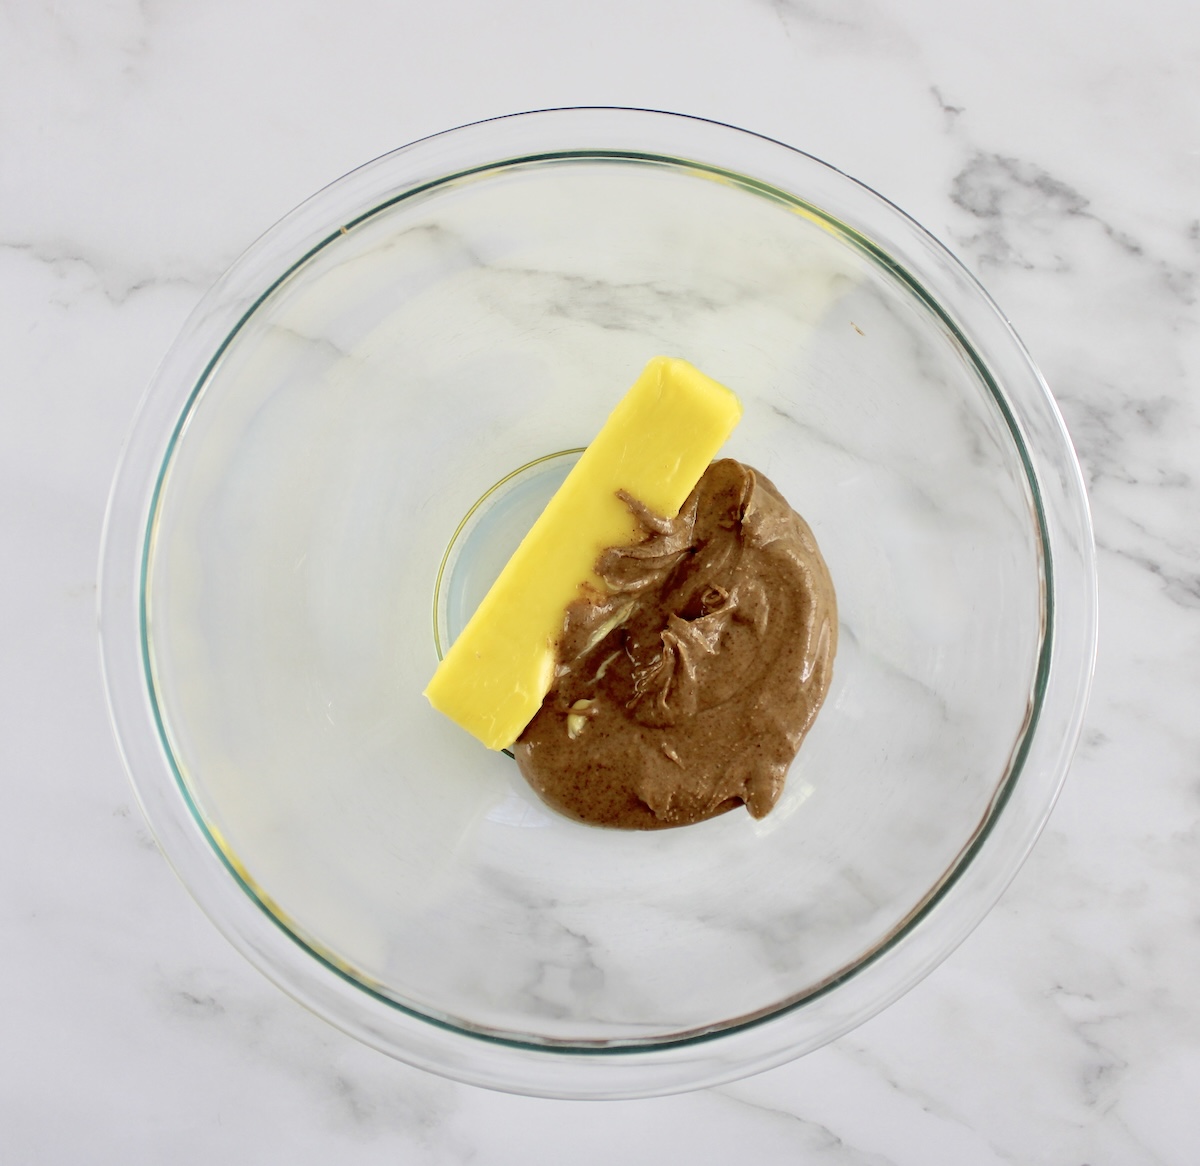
[(351, 434)]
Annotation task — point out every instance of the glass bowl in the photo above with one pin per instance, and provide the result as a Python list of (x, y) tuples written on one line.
[(351, 434)]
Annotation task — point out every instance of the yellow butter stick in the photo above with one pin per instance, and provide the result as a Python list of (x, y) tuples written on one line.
[(655, 446)]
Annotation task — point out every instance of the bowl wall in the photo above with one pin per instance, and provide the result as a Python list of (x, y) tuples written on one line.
[(369, 373)]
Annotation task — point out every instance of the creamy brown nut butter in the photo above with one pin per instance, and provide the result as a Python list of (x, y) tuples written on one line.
[(687, 688)]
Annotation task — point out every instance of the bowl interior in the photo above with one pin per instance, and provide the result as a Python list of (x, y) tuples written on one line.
[(341, 490)]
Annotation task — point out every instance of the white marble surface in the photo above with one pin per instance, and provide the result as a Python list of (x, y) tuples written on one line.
[(1055, 146)]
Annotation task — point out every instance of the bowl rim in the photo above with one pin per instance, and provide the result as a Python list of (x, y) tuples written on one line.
[(950, 910)]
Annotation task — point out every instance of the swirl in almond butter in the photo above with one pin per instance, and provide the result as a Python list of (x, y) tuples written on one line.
[(688, 687)]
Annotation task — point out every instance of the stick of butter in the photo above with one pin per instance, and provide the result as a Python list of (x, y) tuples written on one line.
[(655, 446)]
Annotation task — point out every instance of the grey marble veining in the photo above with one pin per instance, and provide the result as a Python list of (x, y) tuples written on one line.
[(1052, 146)]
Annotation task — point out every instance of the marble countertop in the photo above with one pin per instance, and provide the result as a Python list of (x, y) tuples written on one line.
[(1054, 146)]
